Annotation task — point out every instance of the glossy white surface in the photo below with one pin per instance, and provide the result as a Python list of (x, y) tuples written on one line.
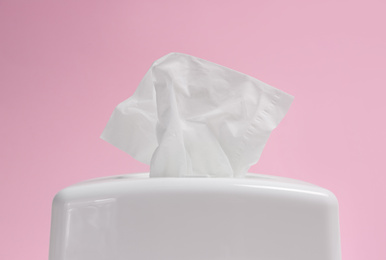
[(134, 217)]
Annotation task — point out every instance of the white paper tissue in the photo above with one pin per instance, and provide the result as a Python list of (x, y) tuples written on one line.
[(193, 118)]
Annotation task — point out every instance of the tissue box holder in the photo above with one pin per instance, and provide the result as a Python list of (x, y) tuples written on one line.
[(136, 217)]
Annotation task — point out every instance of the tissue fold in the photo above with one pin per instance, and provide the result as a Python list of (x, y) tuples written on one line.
[(193, 118)]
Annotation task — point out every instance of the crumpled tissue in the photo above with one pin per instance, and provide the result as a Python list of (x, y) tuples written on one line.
[(193, 118)]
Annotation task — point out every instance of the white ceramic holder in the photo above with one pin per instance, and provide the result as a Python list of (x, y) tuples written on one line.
[(136, 217)]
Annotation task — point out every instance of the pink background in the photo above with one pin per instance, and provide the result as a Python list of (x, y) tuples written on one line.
[(65, 65)]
